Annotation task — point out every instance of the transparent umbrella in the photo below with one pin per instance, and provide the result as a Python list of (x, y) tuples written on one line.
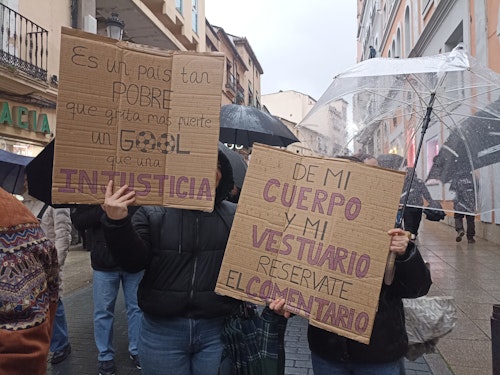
[(440, 114)]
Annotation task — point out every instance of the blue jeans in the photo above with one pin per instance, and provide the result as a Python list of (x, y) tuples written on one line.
[(180, 346), (323, 367), (60, 330), (106, 286)]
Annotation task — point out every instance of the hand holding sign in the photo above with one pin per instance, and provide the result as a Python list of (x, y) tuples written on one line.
[(399, 243), (116, 204)]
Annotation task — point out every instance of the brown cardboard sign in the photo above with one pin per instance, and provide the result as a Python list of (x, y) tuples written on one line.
[(314, 232), (139, 115)]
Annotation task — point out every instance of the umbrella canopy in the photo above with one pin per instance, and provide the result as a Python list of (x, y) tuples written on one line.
[(237, 163), (12, 168), (423, 109), (244, 125), (39, 174), (475, 145)]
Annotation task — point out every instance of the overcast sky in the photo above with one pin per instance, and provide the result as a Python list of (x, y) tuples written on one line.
[(300, 45)]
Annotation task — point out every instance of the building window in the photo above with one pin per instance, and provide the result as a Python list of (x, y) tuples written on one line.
[(194, 17), (407, 32), (178, 5)]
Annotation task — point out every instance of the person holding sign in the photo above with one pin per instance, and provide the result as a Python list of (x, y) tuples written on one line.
[(335, 354), (181, 252)]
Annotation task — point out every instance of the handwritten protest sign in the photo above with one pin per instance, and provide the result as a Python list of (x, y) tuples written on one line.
[(312, 231), (139, 115)]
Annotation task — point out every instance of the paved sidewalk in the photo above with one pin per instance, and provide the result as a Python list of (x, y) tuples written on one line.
[(83, 359), (469, 272)]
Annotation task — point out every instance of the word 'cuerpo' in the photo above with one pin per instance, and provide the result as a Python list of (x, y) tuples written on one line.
[(304, 198)]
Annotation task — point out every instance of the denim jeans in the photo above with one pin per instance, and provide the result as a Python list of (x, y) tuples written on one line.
[(323, 367), (180, 346), (106, 286), (60, 330)]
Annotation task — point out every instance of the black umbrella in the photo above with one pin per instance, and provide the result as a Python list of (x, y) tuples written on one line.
[(237, 163), (473, 145), (12, 167), (243, 125), (39, 174)]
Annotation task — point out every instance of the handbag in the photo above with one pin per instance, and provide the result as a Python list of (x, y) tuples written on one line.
[(434, 211), (427, 319), (255, 341)]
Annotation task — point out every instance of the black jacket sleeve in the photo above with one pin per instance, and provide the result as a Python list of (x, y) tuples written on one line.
[(412, 277), (130, 251), (87, 216)]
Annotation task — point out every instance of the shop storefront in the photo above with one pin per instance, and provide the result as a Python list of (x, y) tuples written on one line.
[(25, 129)]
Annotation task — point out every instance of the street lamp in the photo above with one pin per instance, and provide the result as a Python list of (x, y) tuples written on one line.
[(114, 27)]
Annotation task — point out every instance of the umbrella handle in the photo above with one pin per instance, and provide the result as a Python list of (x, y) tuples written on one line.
[(389, 266)]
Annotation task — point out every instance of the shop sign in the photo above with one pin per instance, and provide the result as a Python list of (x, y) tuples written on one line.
[(24, 118)]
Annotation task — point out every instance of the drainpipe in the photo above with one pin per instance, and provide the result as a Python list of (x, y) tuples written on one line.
[(74, 14)]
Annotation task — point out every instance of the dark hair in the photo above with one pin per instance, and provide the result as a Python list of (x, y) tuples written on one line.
[(226, 183), (349, 157), (362, 156)]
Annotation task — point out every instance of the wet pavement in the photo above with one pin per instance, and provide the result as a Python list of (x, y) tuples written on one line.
[(468, 272)]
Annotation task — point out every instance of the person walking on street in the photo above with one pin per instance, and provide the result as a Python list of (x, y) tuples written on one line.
[(413, 211), (56, 223), (463, 186), (107, 277), (29, 289), (181, 252)]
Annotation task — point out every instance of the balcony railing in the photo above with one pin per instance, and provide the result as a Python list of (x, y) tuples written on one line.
[(240, 94), (23, 44)]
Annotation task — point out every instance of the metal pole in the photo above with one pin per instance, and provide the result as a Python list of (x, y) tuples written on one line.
[(495, 339)]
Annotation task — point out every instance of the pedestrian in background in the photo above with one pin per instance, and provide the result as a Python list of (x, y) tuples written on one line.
[(412, 216), (463, 203), (56, 223), (181, 252), (107, 277), (28, 290)]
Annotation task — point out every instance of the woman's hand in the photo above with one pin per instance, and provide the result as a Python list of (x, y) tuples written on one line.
[(399, 241), (278, 306), (116, 204)]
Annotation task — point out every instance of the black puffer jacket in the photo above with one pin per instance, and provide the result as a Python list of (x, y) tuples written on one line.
[(388, 341), (181, 252)]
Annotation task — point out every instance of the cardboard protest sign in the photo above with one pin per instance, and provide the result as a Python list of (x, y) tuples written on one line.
[(139, 115), (313, 231)]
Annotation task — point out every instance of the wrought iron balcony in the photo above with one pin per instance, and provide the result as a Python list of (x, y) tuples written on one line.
[(23, 44), (240, 94)]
